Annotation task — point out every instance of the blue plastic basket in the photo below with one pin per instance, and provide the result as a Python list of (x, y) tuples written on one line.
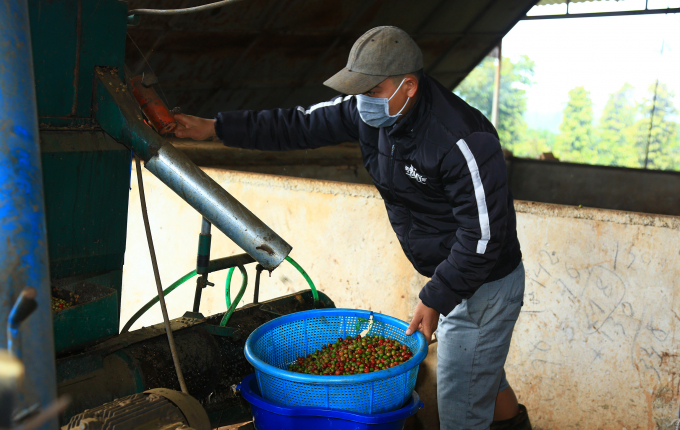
[(278, 343), (272, 416)]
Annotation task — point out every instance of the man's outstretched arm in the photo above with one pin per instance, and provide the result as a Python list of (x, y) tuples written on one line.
[(323, 124), (193, 127)]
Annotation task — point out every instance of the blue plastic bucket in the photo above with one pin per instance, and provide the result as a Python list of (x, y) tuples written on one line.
[(276, 344), (271, 416)]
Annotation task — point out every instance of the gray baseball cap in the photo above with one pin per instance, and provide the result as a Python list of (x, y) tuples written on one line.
[(380, 53)]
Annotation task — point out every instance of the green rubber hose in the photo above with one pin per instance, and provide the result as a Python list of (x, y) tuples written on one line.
[(309, 280), (227, 286), (232, 307), (155, 300)]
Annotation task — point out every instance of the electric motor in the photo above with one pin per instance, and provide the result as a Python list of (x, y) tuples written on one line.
[(158, 409)]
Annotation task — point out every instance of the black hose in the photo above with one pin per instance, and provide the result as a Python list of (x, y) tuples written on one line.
[(180, 11), (154, 264)]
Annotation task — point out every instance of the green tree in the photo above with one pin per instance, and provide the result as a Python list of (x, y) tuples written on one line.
[(477, 90), (616, 134), (575, 142), (535, 142), (664, 145)]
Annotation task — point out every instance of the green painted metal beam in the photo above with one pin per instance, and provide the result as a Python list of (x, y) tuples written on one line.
[(86, 173), (69, 38)]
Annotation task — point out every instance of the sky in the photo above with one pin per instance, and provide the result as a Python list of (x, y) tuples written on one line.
[(600, 54)]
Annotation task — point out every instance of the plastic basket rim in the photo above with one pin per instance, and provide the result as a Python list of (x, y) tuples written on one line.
[(410, 407), (267, 368)]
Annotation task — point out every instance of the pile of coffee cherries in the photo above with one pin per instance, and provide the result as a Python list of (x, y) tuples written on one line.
[(59, 304), (352, 356)]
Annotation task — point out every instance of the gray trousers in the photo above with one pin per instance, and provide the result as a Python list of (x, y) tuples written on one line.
[(474, 340)]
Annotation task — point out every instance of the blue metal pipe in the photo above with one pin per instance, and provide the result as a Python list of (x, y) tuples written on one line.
[(23, 239)]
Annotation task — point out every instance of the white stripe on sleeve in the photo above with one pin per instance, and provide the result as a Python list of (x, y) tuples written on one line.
[(323, 104), (479, 195)]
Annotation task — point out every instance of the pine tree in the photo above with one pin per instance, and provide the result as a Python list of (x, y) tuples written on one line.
[(575, 142), (664, 145), (616, 130)]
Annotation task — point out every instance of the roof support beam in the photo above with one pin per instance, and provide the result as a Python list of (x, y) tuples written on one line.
[(601, 14), (433, 66)]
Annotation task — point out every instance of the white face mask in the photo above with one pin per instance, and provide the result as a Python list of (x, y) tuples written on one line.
[(375, 111)]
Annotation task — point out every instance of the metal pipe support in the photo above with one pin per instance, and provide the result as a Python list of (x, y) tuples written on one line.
[(202, 262), (258, 275), (229, 262), (204, 239), (179, 173)]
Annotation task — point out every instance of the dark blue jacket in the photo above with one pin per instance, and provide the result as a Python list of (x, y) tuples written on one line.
[(440, 171)]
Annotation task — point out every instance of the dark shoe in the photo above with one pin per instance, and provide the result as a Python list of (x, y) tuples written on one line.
[(519, 422)]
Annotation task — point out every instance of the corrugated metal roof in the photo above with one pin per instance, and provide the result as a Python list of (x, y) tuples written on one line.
[(258, 54)]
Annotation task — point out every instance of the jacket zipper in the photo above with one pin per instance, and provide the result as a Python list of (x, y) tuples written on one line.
[(391, 182), (410, 217)]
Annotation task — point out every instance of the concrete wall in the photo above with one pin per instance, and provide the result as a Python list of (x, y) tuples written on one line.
[(595, 343), (595, 346), (618, 188)]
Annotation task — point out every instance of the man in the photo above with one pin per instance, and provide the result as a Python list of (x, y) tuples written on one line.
[(438, 165)]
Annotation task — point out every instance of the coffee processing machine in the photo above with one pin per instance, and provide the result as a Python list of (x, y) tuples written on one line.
[(63, 80)]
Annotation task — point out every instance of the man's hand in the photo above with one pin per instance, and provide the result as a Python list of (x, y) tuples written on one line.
[(194, 127), (424, 319)]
